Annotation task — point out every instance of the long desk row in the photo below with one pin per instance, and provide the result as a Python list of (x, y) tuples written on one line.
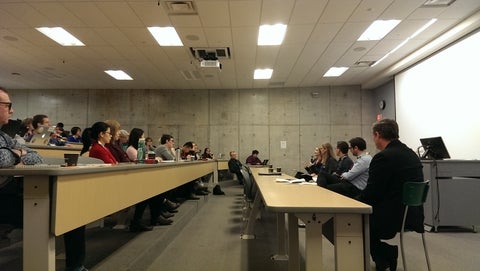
[(315, 206), (59, 199)]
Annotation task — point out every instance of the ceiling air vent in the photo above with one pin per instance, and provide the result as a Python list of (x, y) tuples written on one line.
[(179, 7), (364, 63), (191, 75)]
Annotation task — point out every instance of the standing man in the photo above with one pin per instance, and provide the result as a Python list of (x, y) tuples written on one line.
[(394, 165)]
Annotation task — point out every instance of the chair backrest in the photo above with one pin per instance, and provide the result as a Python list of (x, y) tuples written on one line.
[(415, 193)]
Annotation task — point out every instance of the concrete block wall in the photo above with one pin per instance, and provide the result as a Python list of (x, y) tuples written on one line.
[(223, 120)]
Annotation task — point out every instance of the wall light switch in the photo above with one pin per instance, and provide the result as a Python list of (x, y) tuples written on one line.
[(283, 144)]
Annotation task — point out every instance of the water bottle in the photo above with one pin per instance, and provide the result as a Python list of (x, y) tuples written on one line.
[(177, 155), (140, 150)]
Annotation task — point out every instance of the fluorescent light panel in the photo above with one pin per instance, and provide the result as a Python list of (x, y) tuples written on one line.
[(420, 30), (378, 29), (61, 36), (335, 71), (165, 36), (262, 74), (119, 74), (271, 34)]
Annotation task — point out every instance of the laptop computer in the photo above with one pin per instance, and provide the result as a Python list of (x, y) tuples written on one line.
[(41, 137), (265, 162)]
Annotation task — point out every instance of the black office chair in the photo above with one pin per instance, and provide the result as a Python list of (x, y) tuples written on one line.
[(247, 184), (414, 194)]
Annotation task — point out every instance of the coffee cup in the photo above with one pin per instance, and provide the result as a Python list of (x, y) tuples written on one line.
[(270, 170), (270, 166), (71, 159), (279, 169)]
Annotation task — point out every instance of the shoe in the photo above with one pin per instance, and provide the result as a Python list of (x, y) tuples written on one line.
[(166, 214), (172, 205), (140, 228), (390, 264), (201, 193), (163, 221), (193, 197), (301, 225)]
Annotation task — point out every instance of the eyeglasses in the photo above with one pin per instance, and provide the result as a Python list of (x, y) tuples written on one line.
[(107, 132), (8, 105)]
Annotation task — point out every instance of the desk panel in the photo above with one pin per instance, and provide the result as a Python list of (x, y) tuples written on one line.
[(59, 199), (315, 206)]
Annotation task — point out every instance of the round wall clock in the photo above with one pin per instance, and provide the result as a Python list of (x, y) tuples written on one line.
[(381, 104)]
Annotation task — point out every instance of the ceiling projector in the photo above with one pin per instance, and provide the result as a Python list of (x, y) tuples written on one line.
[(210, 64)]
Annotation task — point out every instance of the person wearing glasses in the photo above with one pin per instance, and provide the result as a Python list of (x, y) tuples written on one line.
[(94, 141), (12, 153)]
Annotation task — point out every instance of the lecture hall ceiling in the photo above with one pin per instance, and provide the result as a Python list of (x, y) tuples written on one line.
[(320, 34)]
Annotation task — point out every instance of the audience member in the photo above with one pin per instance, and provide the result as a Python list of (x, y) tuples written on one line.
[(253, 159), (60, 130), (395, 164), (345, 163), (187, 152), (234, 166), (207, 154), (13, 153), (154, 203), (121, 157), (149, 144), (29, 130), (164, 150), (329, 163), (75, 135), (123, 139), (352, 182), (41, 122)]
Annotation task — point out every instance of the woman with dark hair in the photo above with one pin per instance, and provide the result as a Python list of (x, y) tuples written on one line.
[(157, 216), (135, 135), (207, 154), (94, 142)]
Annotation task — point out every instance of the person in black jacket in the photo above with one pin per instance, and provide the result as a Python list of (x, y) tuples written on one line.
[(395, 164), (234, 166)]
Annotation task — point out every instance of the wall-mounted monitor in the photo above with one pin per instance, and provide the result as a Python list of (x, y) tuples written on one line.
[(434, 148)]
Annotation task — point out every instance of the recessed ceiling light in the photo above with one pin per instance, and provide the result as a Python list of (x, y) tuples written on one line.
[(61, 36), (165, 36), (420, 30), (271, 34), (119, 74), (378, 29), (262, 74), (335, 71)]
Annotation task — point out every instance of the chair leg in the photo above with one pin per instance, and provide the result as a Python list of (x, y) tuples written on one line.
[(404, 261), (426, 251)]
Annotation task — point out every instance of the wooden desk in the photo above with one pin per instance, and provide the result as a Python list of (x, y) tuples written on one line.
[(55, 151), (315, 206), (57, 200)]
